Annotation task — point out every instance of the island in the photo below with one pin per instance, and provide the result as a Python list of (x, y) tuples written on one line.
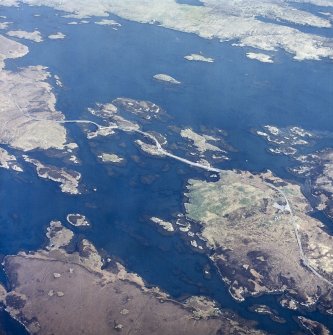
[(57, 36), (167, 226), (262, 26), (201, 142), (8, 161), (78, 220), (141, 118), (260, 57), (262, 240), (316, 167), (313, 327), (286, 141), (265, 310), (68, 179), (110, 158), (254, 230), (32, 36), (166, 78), (28, 105), (199, 58), (53, 291)]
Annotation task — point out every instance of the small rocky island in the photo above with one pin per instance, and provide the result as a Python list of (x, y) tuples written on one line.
[(68, 179), (199, 58), (166, 78), (110, 158), (78, 220), (32, 36), (57, 36), (8, 161), (167, 226), (259, 57)]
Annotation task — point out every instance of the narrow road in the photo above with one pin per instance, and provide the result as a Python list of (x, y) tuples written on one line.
[(145, 134), (33, 118), (201, 166), (186, 161), (212, 169), (80, 121), (298, 237), (168, 154)]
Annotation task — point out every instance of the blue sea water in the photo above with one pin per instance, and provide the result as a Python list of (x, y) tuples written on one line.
[(98, 64)]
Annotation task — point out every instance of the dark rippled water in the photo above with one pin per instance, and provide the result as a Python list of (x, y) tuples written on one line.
[(98, 64)]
